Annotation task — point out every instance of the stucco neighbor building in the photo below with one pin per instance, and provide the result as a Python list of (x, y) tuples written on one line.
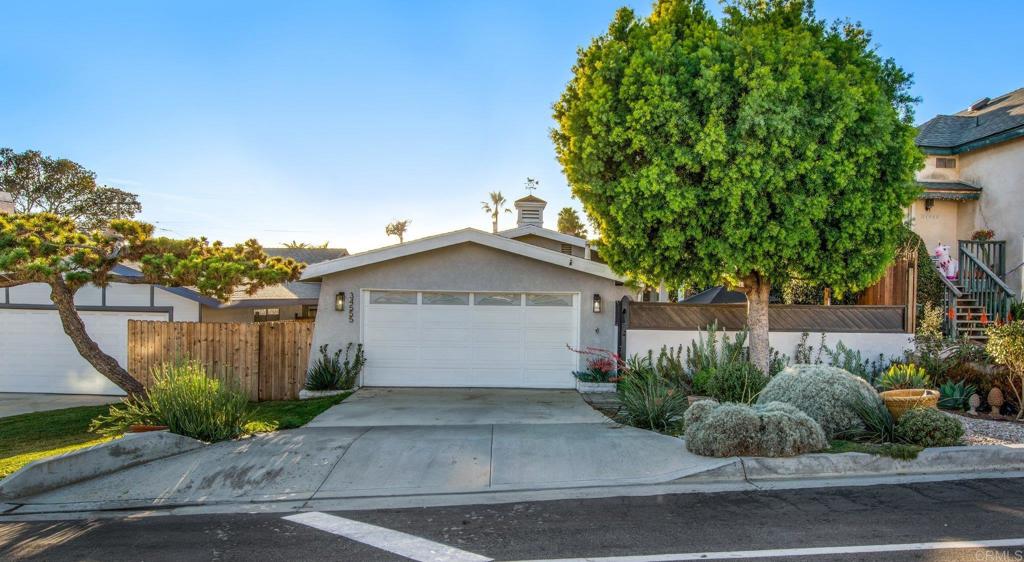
[(471, 308), (973, 178)]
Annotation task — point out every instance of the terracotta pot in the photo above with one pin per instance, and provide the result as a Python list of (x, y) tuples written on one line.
[(141, 428)]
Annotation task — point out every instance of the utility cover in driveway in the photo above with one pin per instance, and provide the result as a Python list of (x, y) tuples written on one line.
[(377, 407)]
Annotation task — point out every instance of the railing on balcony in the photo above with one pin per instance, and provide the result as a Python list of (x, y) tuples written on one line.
[(989, 291), (990, 252)]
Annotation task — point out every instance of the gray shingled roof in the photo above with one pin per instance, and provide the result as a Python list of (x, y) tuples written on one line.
[(1001, 115)]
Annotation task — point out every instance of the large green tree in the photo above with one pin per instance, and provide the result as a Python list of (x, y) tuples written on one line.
[(52, 249), (766, 146), (42, 184)]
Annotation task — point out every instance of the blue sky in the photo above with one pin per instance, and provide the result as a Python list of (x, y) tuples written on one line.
[(325, 120)]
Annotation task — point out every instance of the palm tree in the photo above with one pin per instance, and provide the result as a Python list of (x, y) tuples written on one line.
[(300, 245), (494, 208), (398, 229)]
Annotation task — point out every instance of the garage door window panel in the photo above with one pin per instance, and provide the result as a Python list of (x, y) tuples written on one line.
[(456, 299), (392, 297), (548, 299), (498, 299)]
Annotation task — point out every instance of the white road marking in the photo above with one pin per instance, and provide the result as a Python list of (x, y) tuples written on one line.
[(395, 542), (788, 552)]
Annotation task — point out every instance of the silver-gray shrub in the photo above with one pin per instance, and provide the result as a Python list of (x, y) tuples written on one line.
[(826, 394), (765, 430)]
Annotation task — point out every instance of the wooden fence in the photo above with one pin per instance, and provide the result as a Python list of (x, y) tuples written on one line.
[(898, 287), (782, 317), (267, 360)]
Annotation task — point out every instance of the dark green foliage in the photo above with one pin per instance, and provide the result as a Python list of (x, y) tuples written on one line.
[(929, 286), (670, 365), (736, 382), (954, 395), (877, 423), (929, 427), (648, 400), (330, 372)]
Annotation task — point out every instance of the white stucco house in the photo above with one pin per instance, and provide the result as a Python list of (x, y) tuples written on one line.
[(973, 178), (470, 308)]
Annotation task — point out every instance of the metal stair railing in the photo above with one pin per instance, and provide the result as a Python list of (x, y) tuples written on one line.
[(987, 289)]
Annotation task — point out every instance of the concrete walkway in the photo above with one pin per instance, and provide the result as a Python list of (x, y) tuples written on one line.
[(381, 460), (16, 403)]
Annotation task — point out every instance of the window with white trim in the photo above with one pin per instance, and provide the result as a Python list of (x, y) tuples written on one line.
[(266, 314)]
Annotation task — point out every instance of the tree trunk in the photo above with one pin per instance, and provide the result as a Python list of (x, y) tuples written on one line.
[(64, 298), (494, 225), (757, 289)]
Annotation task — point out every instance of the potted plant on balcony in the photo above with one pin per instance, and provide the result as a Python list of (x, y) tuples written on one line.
[(601, 374)]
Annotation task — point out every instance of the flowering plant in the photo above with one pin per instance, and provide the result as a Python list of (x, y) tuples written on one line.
[(602, 365), (983, 235)]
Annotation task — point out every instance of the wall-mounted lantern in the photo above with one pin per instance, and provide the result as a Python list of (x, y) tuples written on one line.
[(339, 301), (597, 303)]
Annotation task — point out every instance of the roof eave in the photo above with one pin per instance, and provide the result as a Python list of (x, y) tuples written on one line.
[(471, 235)]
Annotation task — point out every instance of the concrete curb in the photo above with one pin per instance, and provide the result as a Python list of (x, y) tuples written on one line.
[(936, 460), (55, 472)]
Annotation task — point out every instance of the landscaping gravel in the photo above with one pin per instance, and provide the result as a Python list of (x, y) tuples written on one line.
[(989, 432)]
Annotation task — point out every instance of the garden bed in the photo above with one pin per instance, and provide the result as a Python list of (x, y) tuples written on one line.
[(980, 430)]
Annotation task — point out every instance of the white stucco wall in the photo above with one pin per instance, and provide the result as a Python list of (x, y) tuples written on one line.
[(466, 267), (999, 170), (870, 345)]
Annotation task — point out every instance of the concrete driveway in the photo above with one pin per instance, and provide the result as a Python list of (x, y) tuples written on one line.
[(378, 407), (403, 442), (16, 403)]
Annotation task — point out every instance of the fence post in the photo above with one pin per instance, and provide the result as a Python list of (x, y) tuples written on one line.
[(622, 321)]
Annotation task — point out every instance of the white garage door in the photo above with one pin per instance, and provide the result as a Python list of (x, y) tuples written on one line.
[(37, 356), (517, 340)]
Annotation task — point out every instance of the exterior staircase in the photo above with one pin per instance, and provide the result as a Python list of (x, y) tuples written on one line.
[(979, 296)]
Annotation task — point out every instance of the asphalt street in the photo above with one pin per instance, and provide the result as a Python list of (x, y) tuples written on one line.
[(831, 519)]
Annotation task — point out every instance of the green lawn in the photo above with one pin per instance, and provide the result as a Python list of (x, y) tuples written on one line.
[(288, 414), (894, 450), (29, 437)]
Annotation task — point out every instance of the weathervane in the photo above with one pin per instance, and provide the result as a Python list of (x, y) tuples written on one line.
[(531, 184)]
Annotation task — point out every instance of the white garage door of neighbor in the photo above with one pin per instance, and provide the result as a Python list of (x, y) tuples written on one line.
[(493, 339), (37, 356)]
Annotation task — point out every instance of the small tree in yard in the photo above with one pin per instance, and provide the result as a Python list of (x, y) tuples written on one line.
[(766, 146), (1006, 346), (397, 228), (51, 249)]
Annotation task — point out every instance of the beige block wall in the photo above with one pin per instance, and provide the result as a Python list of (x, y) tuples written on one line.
[(466, 267)]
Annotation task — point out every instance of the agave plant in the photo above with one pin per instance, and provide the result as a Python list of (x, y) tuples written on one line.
[(954, 395), (905, 375)]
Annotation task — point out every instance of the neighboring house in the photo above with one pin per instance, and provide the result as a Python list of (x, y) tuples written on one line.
[(38, 357), (974, 177), (470, 308), (287, 301), (6, 203)]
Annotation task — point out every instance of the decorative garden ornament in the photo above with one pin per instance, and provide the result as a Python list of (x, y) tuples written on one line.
[(947, 265), (974, 401), (995, 400)]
